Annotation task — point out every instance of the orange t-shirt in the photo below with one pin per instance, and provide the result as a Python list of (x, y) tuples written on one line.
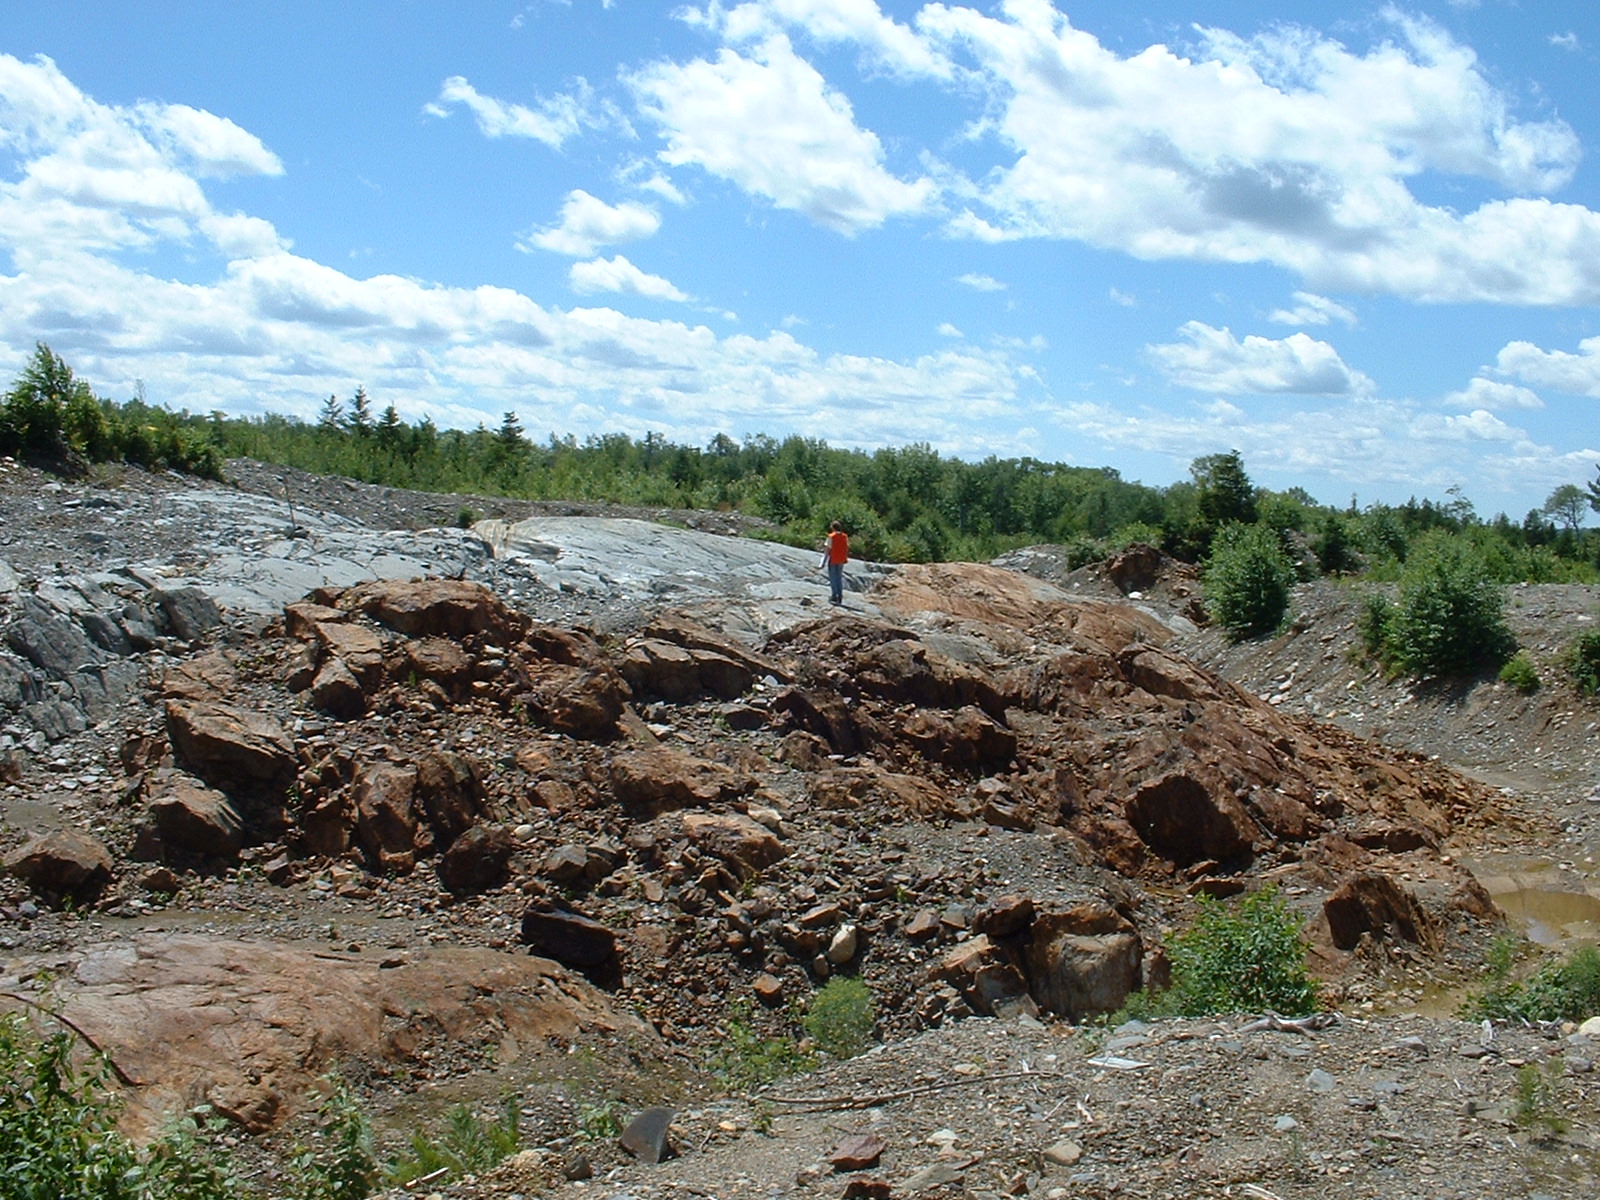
[(838, 548)]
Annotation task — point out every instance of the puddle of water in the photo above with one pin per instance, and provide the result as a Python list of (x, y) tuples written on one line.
[(1554, 907)]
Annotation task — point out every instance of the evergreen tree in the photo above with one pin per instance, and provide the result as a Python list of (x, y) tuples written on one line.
[(1224, 491), (360, 413)]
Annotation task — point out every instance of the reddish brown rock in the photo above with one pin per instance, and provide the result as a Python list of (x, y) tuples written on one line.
[(1083, 961), (1183, 820), (337, 691), (1372, 903), (744, 845), (249, 1026), (581, 702), (228, 747), (451, 608), (477, 861), (656, 779), (62, 867), (968, 739), (196, 821), (857, 1152)]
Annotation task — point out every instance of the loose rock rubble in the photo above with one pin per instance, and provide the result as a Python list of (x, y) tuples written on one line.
[(703, 794)]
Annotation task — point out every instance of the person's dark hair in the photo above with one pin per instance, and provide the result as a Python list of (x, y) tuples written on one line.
[(834, 525)]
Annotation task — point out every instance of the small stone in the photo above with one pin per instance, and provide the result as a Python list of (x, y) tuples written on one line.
[(1064, 1153), (1284, 1123), (857, 1152), (870, 1187), (1320, 1081), (843, 946), (768, 989), (1590, 1028)]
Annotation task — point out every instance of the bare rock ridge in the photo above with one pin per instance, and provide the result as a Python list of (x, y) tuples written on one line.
[(569, 782)]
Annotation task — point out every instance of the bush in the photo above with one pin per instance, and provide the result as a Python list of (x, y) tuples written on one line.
[(340, 1165), (1248, 580), (1519, 673), (747, 1059), (1582, 662), (1556, 991), (1449, 620), (840, 1017), (1249, 957), (58, 1125)]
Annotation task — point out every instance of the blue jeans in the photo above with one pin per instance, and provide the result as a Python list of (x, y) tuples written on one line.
[(836, 581)]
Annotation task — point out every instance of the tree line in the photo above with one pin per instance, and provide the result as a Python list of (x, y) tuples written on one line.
[(903, 504)]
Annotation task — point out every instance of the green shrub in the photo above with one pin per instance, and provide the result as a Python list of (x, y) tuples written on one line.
[(1557, 991), (1449, 619), (1247, 580), (1582, 662), (1248, 957), (470, 1145), (840, 1017), (746, 1059), (340, 1163), (1519, 673), (58, 1131), (186, 1163)]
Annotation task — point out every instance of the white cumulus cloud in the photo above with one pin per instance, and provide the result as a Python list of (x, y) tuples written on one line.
[(1213, 360), (1491, 395), (587, 223), (617, 274), (1311, 309), (1559, 370), (768, 122)]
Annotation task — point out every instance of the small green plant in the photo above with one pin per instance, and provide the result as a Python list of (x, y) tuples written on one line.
[(187, 1163), (840, 1016), (1247, 580), (1248, 957), (1582, 662), (466, 517), (1537, 1107), (600, 1122), (470, 1145), (1519, 673), (748, 1060), (340, 1164)]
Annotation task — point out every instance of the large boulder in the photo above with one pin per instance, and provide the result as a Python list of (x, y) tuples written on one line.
[(1370, 902), (195, 822), (745, 845), (1083, 961), (1182, 819), (572, 939), (656, 779), (228, 747), (453, 608), (63, 867), (478, 861)]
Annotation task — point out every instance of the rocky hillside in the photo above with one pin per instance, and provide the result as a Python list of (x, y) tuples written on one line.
[(289, 793)]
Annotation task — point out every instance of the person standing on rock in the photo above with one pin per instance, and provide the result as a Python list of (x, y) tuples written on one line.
[(835, 557)]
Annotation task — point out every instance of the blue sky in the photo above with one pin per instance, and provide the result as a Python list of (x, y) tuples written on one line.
[(1360, 243)]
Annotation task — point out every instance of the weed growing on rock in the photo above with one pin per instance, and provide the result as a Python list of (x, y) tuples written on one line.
[(746, 1059), (340, 1164), (1538, 1100), (840, 1017), (57, 1122), (600, 1122), (470, 1145)]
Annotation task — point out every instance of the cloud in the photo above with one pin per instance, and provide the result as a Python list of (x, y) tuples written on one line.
[(554, 121), (769, 123), (891, 46), (95, 177), (588, 223), (948, 330), (1122, 299), (981, 283), (1287, 148), (1311, 309), (1566, 41), (1488, 395), (1559, 370), (619, 275), (1213, 360)]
